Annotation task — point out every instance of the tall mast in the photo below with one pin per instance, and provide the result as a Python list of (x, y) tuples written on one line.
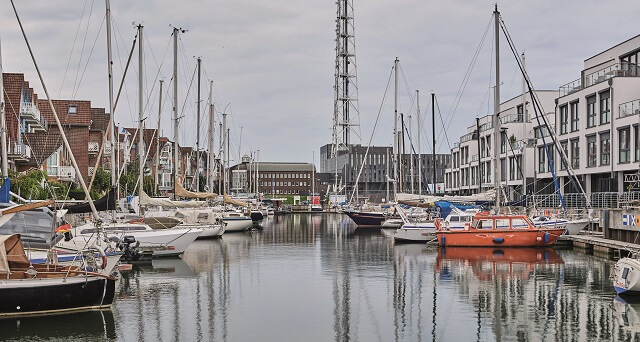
[(227, 176), (523, 155), (396, 137), (220, 154), (225, 134), (198, 132), (112, 135), (412, 154), (211, 137), (433, 136), (496, 110), (419, 145), (176, 153), (3, 122), (158, 137), (140, 114)]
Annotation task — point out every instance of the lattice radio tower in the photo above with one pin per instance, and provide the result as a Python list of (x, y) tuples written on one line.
[(346, 114)]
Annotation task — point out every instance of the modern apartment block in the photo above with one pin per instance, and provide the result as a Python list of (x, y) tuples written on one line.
[(598, 119), (471, 169), (595, 118)]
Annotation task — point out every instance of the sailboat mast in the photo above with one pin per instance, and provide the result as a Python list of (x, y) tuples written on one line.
[(158, 138), (140, 114), (3, 122), (419, 145), (198, 131), (523, 155), (176, 153), (112, 135), (225, 134), (220, 153), (211, 137), (496, 109), (396, 138), (412, 154), (433, 137)]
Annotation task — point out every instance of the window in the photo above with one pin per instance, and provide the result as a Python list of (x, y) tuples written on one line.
[(575, 118), (605, 108), (591, 111), (53, 162), (488, 145), (592, 157), (624, 143), (605, 148), (520, 110), (482, 148), (503, 169), (519, 167), (512, 168), (488, 168), (552, 158), (73, 109), (575, 153), (541, 159), (564, 119), (565, 147), (637, 139), (503, 142)]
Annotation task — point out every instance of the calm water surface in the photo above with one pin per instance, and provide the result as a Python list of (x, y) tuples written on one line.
[(316, 278)]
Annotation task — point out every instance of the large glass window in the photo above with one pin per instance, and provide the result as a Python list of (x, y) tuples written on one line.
[(564, 119), (592, 157), (519, 167), (488, 168), (512, 168), (552, 158), (482, 148), (575, 153), (624, 143), (575, 118), (637, 140), (591, 111), (565, 147), (542, 160), (605, 148), (605, 108), (503, 169), (53, 162), (503, 142)]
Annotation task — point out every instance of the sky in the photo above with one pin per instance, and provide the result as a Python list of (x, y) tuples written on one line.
[(272, 62)]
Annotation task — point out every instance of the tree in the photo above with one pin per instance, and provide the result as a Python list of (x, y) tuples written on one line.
[(129, 179)]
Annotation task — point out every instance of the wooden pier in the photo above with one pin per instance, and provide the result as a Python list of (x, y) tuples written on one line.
[(600, 246)]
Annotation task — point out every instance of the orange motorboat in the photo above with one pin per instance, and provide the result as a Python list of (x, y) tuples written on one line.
[(497, 230)]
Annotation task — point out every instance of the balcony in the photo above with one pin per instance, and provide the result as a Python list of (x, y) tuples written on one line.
[(91, 171), (512, 118), (616, 70), (94, 147), (629, 108), (571, 87), (31, 114), (66, 173), (19, 151)]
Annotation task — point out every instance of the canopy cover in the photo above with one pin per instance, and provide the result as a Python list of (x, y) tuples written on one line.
[(11, 250)]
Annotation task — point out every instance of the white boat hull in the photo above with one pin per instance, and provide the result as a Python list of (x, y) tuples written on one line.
[(208, 230), (392, 223), (237, 223), (574, 227), (626, 276)]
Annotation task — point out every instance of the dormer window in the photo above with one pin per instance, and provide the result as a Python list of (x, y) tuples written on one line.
[(73, 109)]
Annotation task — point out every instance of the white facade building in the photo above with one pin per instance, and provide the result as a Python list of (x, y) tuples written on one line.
[(472, 157)]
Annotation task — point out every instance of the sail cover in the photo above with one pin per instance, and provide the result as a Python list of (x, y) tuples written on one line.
[(147, 201), (428, 200), (11, 250), (229, 200), (107, 202), (182, 192)]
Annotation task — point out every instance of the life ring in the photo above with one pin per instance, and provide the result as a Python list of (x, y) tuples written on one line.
[(103, 257)]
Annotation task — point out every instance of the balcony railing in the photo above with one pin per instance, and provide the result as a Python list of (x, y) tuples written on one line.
[(91, 170), (616, 70), (67, 173), (512, 118), (571, 87), (629, 108), (35, 119), (19, 151), (94, 147)]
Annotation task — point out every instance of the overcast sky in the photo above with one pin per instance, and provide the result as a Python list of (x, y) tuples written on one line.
[(272, 62)]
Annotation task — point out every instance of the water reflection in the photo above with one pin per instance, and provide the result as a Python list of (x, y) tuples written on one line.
[(317, 278), (86, 326)]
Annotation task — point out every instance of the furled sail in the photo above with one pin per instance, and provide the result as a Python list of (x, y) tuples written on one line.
[(182, 192), (147, 201), (107, 202), (229, 200)]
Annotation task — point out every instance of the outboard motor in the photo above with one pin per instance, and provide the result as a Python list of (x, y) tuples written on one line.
[(128, 246)]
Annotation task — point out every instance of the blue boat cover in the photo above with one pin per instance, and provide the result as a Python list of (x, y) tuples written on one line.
[(5, 196)]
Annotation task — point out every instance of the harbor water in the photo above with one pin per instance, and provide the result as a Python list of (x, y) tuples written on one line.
[(315, 277)]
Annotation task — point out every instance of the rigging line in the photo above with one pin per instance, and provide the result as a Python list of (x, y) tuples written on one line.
[(188, 91), (88, 59), (442, 121), (75, 38), (84, 42), (375, 125), (409, 92), (126, 89), (467, 76)]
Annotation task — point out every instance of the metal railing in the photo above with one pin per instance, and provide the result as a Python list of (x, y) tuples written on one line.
[(512, 118), (570, 87), (94, 147), (577, 201), (615, 70), (66, 173), (629, 108), (17, 149)]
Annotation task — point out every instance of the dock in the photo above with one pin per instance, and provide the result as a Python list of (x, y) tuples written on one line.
[(598, 245)]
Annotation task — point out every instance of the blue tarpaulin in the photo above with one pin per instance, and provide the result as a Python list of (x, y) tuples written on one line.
[(5, 196)]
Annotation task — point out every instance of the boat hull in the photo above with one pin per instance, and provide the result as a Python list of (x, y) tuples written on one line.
[(208, 230), (574, 227), (392, 223), (55, 295), (237, 224), (626, 276), (497, 237), (363, 219)]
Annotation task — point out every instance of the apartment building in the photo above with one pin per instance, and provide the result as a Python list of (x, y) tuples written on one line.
[(273, 178), (472, 157), (598, 118)]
